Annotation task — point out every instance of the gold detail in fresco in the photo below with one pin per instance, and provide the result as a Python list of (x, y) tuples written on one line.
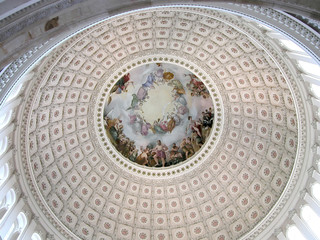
[(158, 114)]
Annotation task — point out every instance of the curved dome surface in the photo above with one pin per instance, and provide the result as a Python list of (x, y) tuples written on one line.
[(168, 122), (232, 188), (158, 115)]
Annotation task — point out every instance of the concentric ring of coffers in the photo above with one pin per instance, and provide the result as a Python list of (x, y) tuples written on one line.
[(84, 181)]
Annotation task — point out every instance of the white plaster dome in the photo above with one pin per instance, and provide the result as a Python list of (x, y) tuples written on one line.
[(231, 188)]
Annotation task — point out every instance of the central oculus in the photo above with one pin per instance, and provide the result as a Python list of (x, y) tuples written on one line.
[(158, 115)]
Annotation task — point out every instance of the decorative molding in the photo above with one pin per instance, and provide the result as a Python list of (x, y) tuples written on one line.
[(56, 57), (48, 9)]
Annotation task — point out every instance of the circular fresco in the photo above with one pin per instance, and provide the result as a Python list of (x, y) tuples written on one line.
[(158, 114)]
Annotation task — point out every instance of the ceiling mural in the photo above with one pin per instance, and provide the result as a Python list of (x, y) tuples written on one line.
[(158, 115), (166, 123)]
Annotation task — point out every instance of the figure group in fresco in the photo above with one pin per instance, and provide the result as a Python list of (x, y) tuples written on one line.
[(121, 85), (168, 121), (155, 153), (158, 154), (197, 87)]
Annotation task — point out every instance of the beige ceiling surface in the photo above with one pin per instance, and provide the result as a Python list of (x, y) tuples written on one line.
[(87, 190)]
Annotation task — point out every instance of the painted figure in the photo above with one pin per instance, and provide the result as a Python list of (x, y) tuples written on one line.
[(171, 124), (187, 148), (134, 102), (142, 159), (185, 123), (150, 81), (142, 93), (120, 86), (160, 150), (175, 153)]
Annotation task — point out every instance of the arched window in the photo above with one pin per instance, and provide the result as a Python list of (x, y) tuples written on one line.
[(316, 90), (309, 68), (6, 237), (35, 236), (5, 118), (291, 46), (315, 191), (14, 93), (4, 173), (3, 145), (7, 203), (15, 235), (17, 227), (293, 233), (311, 219)]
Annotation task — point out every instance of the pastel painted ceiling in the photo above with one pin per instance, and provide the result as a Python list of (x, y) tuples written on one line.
[(231, 189)]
